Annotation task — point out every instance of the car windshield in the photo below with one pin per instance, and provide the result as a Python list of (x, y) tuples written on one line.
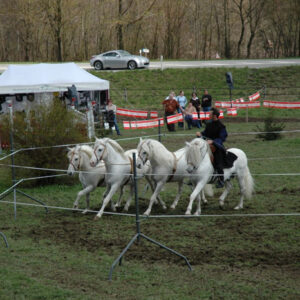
[(124, 53)]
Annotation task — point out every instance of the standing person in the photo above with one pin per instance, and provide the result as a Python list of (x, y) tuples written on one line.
[(216, 134), (182, 101), (170, 106), (206, 101), (111, 115), (196, 103)]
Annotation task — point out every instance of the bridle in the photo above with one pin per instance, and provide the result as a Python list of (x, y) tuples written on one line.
[(105, 149), (71, 161), (141, 149)]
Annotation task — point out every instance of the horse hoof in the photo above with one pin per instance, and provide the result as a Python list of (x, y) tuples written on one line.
[(172, 207), (146, 214), (97, 217), (85, 212), (197, 213), (238, 208), (187, 213), (164, 208)]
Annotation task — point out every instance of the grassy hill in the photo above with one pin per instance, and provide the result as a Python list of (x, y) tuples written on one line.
[(145, 89)]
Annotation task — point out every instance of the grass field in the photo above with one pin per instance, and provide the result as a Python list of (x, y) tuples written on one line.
[(67, 255)]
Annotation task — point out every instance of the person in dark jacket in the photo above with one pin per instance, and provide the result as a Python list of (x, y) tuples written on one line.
[(215, 133), (206, 101)]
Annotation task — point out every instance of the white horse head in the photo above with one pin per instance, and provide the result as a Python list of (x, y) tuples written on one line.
[(76, 158), (144, 150), (101, 151), (195, 152)]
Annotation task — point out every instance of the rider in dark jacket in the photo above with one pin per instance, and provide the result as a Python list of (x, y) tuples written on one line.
[(216, 134)]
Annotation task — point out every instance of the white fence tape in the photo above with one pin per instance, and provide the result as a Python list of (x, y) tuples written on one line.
[(154, 216)]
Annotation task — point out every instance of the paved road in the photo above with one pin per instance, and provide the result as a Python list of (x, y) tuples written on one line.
[(250, 63)]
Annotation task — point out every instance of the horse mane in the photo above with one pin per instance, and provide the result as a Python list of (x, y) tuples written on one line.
[(116, 146), (197, 150), (87, 150), (159, 148)]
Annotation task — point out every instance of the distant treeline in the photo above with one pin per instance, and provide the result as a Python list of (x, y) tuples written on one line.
[(73, 30)]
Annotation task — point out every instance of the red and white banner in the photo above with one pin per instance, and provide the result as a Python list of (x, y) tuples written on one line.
[(255, 96), (174, 119), (132, 113), (228, 104), (282, 105), (203, 115), (221, 116), (126, 125), (142, 124), (232, 112), (153, 114)]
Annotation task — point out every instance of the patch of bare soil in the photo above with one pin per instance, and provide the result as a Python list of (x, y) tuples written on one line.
[(81, 232)]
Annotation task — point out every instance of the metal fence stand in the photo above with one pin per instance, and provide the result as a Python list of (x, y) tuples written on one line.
[(4, 238), (139, 234)]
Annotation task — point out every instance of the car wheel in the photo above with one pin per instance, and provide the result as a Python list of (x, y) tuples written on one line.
[(98, 65), (132, 65)]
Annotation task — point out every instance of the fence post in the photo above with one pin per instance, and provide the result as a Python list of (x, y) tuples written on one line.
[(161, 63), (159, 137)]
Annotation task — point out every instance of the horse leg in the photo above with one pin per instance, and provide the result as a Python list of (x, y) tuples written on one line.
[(108, 197), (108, 186), (203, 197), (228, 187), (87, 199), (83, 192), (180, 184), (193, 196), (163, 204), (126, 207), (243, 191), (198, 211), (153, 186), (118, 204), (158, 188)]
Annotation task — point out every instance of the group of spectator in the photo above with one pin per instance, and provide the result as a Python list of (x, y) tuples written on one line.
[(173, 104)]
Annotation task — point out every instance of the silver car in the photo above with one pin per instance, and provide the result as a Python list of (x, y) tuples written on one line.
[(118, 59)]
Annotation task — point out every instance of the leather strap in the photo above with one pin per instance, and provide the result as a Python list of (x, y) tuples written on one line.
[(174, 168)]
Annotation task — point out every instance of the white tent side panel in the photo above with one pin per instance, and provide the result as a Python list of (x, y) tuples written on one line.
[(41, 78)]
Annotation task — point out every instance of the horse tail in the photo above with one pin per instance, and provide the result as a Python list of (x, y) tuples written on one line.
[(248, 183), (208, 190)]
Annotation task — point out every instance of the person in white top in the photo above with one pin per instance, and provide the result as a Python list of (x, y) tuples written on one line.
[(111, 115)]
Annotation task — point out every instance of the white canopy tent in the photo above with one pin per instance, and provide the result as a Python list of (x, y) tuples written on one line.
[(45, 78), (18, 82)]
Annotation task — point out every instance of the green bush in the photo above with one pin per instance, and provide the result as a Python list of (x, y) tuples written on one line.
[(47, 126), (271, 129)]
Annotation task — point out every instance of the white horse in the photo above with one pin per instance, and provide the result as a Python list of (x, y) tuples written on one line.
[(166, 167), (118, 167), (79, 160), (142, 171), (201, 169)]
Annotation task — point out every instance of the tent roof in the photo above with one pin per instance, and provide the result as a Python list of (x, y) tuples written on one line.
[(40, 78)]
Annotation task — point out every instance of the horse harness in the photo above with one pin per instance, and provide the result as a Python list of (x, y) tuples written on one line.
[(174, 168)]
